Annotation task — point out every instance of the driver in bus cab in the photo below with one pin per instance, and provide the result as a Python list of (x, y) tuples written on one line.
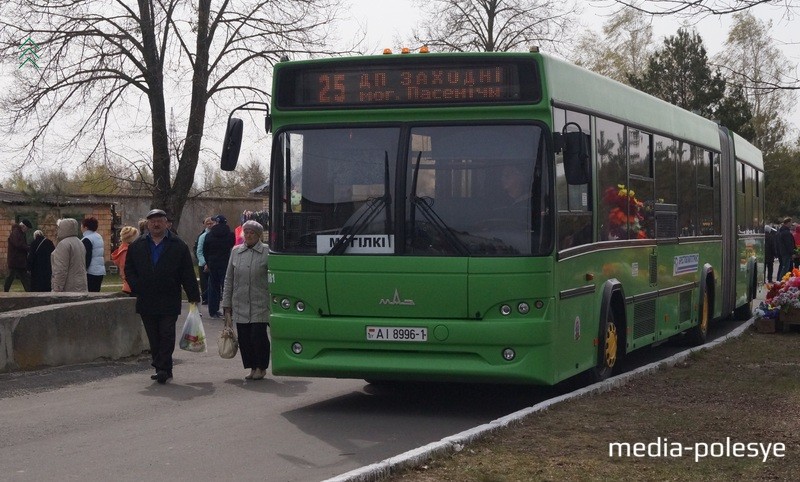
[(512, 209), (515, 186)]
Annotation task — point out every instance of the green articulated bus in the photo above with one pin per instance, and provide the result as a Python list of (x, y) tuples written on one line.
[(495, 217)]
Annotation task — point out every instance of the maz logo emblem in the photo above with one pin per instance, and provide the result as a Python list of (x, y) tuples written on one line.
[(396, 300)]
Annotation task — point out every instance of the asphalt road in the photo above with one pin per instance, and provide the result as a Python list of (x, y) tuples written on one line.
[(109, 421)]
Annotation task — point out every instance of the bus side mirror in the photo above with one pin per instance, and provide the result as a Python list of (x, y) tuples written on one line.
[(576, 155), (231, 144)]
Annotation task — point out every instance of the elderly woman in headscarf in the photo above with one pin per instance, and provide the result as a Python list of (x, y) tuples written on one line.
[(69, 258), (126, 236), (245, 299)]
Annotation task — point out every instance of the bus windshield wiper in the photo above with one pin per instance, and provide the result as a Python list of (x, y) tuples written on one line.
[(427, 211), (431, 215), (371, 210)]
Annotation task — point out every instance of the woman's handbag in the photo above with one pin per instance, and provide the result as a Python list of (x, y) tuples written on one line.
[(228, 344)]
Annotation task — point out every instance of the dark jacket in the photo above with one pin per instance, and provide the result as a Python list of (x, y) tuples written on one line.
[(785, 242), (17, 249), (769, 245), (39, 264), (217, 247), (158, 288)]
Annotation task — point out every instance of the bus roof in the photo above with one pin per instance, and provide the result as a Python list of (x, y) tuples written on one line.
[(569, 85), (747, 152)]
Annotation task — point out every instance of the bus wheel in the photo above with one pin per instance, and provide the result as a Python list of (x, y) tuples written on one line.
[(699, 333), (608, 350), (745, 312)]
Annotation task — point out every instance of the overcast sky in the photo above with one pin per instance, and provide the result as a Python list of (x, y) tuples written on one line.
[(387, 21), (394, 19)]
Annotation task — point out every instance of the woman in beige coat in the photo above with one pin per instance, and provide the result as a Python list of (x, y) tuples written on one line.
[(69, 258), (245, 298)]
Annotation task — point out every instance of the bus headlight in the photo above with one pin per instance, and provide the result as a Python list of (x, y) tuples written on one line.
[(509, 354), (505, 310), (300, 306), (297, 348), (523, 308), (286, 304)]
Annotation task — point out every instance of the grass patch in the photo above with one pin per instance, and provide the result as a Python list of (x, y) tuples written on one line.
[(111, 283), (747, 389)]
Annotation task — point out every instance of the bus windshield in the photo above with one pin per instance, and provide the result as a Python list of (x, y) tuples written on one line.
[(464, 191)]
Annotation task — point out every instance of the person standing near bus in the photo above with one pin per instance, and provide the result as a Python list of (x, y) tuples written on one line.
[(785, 247), (769, 252), (246, 299), (795, 256), (217, 250), (158, 265), (208, 223)]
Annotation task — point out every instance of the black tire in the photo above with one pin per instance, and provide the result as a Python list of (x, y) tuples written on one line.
[(607, 350), (699, 334), (745, 312)]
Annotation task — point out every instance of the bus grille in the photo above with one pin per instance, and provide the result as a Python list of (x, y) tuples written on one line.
[(686, 306), (644, 318)]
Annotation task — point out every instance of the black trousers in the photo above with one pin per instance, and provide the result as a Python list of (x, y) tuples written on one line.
[(23, 276), (161, 335), (253, 344), (94, 282), (769, 266)]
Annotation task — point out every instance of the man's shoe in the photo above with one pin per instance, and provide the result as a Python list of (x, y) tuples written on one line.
[(153, 377), (251, 375), (215, 315), (259, 374), (162, 376)]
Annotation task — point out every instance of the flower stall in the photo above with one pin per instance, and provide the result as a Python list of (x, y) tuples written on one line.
[(782, 303)]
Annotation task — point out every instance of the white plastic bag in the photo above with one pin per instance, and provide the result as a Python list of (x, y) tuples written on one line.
[(193, 336)]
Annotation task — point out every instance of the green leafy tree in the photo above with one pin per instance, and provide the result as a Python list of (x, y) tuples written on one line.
[(782, 198), (753, 63), (105, 58), (679, 73), (495, 25), (626, 46), (735, 113), (249, 177)]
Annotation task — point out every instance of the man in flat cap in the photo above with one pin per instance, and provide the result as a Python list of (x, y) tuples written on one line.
[(18, 255), (158, 265)]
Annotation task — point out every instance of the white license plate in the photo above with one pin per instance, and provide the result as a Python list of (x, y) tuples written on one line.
[(396, 333)]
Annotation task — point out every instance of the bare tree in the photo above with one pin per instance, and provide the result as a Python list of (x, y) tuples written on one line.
[(495, 25), (100, 58), (691, 8)]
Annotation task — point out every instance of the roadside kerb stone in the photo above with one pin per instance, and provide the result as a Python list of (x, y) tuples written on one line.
[(455, 443)]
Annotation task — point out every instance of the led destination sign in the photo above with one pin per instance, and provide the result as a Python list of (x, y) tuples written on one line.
[(396, 83)]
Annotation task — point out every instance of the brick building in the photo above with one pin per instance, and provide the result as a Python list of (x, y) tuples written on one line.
[(112, 213)]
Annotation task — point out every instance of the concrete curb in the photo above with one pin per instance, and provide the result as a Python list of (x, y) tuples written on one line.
[(455, 443), (78, 331)]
